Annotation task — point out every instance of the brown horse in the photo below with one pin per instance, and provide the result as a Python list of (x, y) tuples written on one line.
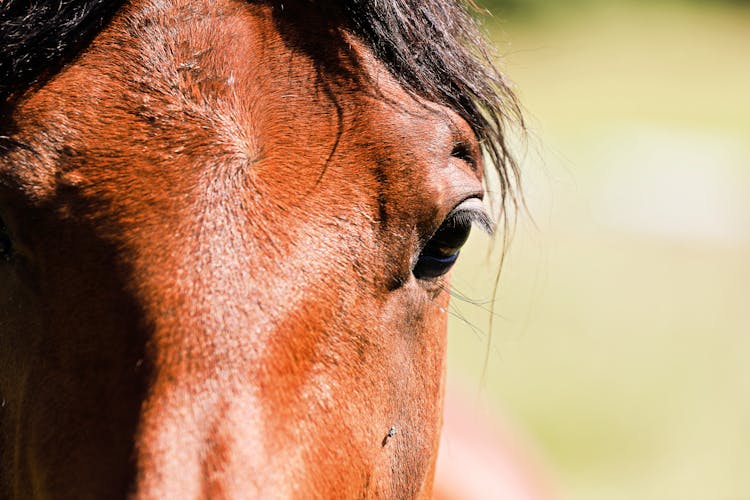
[(227, 229)]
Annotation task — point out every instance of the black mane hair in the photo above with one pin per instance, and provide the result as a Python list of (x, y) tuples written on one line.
[(38, 36), (434, 47)]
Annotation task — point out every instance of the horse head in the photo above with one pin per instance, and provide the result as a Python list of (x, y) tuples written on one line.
[(227, 231)]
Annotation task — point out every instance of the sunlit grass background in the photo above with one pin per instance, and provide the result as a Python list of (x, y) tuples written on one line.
[(621, 338)]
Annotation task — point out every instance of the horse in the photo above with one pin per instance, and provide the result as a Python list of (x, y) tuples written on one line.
[(227, 229)]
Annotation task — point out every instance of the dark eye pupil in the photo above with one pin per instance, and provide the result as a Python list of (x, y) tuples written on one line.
[(451, 236), (441, 252)]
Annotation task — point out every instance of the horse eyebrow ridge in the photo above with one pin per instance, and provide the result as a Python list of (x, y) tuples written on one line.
[(437, 50)]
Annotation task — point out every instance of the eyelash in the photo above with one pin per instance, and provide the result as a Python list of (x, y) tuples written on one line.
[(442, 249)]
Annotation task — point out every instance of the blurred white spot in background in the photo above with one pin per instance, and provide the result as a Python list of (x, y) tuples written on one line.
[(679, 185)]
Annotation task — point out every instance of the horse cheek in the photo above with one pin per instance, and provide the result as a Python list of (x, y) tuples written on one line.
[(423, 335)]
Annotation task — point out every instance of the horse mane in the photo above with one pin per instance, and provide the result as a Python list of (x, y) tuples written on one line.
[(37, 38), (434, 47)]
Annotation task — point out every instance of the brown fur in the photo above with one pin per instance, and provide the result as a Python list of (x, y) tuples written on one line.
[(214, 294)]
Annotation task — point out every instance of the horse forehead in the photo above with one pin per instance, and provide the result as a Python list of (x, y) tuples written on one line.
[(244, 69)]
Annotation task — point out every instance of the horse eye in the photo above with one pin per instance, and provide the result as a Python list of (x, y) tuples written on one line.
[(441, 251), (6, 245)]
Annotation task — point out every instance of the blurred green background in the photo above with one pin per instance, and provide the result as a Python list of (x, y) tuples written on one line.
[(621, 337)]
